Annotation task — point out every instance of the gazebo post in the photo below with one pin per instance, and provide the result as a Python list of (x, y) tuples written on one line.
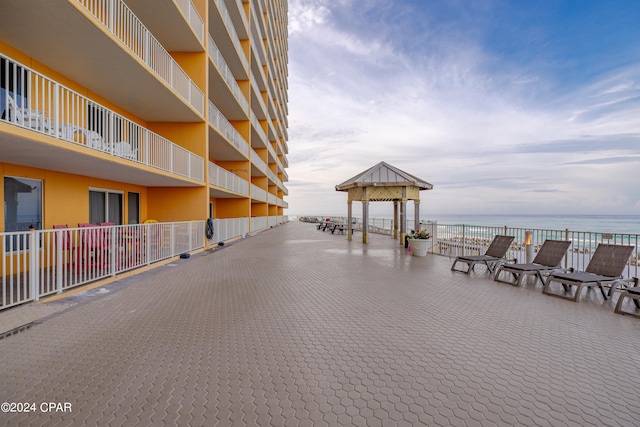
[(349, 221), (403, 217), (395, 219), (416, 214), (365, 221)]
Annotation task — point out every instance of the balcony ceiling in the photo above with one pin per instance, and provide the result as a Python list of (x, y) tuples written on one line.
[(59, 35), (167, 24), (81, 161)]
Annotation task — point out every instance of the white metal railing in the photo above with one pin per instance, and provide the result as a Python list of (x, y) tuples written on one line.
[(258, 223), (272, 221), (193, 17), (272, 199), (43, 262), (116, 16), (258, 93), (258, 193), (226, 229), (272, 176), (258, 128), (226, 73), (229, 181), (456, 240), (219, 122), (226, 17), (258, 162), (38, 103)]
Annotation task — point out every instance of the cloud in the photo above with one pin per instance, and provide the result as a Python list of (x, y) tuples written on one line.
[(372, 81)]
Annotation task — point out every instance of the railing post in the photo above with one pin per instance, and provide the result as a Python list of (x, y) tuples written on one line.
[(58, 239), (114, 251), (464, 240), (33, 266), (172, 239)]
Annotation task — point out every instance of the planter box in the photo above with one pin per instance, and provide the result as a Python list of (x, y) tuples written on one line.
[(419, 246)]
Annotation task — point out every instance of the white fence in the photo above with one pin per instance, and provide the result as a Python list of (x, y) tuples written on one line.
[(226, 229), (116, 16), (38, 103), (43, 262)]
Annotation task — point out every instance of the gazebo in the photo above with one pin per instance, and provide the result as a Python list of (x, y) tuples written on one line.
[(384, 183)]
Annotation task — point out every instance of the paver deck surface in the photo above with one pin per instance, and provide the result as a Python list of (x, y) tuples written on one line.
[(294, 326)]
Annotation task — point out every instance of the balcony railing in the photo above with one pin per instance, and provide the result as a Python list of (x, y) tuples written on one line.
[(232, 31), (219, 121), (258, 193), (226, 73), (116, 16), (258, 162), (259, 223), (44, 262), (38, 103), (229, 181), (226, 229), (193, 17)]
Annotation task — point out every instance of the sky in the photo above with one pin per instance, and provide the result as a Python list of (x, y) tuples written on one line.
[(511, 107)]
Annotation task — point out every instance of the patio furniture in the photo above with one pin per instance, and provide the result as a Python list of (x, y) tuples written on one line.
[(605, 268), (26, 117), (94, 248), (634, 294), (77, 134), (70, 255), (493, 257), (547, 261)]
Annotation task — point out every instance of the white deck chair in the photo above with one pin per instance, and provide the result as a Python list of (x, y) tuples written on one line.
[(73, 133), (26, 117)]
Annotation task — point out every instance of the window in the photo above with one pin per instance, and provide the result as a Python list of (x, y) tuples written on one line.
[(133, 200), (13, 81), (22, 204), (22, 208), (105, 206)]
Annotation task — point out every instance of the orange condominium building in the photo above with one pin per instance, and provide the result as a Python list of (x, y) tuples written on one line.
[(132, 131)]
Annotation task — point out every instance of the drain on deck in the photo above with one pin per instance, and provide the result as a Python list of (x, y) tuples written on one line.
[(17, 330)]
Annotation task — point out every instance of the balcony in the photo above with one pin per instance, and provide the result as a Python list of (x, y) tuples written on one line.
[(86, 29), (223, 29), (226, 180), (234, 106), (226, 143), (258, 193), (93, 136), (175, 23)]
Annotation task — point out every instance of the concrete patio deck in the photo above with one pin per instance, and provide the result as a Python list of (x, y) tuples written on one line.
[(294, 326)]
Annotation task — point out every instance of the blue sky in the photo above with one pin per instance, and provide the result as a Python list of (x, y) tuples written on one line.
[(504, 106)]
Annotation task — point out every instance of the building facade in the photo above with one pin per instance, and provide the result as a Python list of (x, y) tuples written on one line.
[(121, 112)]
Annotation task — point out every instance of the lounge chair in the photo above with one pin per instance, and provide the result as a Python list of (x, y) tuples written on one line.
[(493, 257), (605, 268), (547, 261), (634, 294)]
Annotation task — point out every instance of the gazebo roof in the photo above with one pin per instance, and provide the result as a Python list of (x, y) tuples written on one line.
[(383, 175)]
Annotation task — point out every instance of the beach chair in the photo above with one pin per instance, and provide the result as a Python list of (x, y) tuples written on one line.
[(493, 257), (547, 261), (605, 269), (632, 293)]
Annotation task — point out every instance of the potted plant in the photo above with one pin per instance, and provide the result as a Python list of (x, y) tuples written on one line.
[(419, 242)]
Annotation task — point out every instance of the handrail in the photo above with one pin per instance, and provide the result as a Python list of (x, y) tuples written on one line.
[(220, 122), (57, 111), (226, 73), (116, 16)]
